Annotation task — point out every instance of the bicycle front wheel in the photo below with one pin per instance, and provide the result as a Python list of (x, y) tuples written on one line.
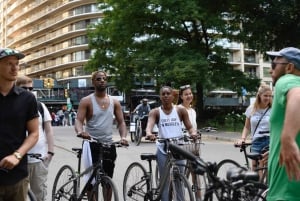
[(183, 190), (64, 187), (135, 184), (138, 134), (198, 183), (225, 165), (105, 190)]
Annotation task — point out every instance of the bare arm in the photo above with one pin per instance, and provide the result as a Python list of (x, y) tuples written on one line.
[(152, 119), (120, 120), (49, 138), (81, 116), (245, 131), (289, 151)]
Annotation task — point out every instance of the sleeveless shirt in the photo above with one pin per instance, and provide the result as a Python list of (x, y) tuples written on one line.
[(169, 126), (100, 125)]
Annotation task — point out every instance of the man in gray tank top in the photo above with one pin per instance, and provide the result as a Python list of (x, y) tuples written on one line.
[(97, 110)]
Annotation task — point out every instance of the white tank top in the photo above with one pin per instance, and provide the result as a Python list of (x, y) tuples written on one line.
[(169, 126)]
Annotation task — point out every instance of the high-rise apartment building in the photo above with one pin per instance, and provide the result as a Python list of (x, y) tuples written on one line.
[(51, 33)]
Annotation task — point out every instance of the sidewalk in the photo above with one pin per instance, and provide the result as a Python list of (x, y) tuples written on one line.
[(222, 135)]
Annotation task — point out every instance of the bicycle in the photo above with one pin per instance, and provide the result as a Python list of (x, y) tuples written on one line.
[(66, 184), (228, 163), (138, 183), (240, 184)]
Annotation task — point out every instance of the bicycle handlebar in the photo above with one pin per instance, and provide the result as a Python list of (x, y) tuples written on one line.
[(91, 139)]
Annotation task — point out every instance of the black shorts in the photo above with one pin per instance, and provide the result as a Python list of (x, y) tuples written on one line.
[(109, 157)]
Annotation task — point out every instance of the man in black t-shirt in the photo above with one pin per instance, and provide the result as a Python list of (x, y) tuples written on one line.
[(18, 114)]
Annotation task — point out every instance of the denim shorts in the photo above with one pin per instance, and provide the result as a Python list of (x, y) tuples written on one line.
[(259, 143)]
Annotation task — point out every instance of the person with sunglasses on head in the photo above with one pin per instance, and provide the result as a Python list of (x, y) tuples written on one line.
[(98, 110), (185, 100), (168, 118), (284, 154), (18, 128), (38, 168)]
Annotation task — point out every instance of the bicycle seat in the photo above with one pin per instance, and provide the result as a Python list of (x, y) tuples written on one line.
[(148, 156), (254, 156)]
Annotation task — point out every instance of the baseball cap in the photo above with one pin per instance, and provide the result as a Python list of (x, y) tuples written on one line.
[(5, 52), (292, 54)]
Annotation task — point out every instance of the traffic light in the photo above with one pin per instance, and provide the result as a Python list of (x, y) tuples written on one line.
[(66, 93), (47, 83)]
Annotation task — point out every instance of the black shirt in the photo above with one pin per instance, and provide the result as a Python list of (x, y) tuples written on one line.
[(16, 109)]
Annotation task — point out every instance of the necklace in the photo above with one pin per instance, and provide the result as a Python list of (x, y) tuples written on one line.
[(103, 102)]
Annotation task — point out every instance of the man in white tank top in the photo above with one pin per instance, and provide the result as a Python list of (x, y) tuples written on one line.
[(168, 118)]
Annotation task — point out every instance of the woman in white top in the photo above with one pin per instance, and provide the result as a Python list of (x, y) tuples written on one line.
[(257, 120), (185, 100)]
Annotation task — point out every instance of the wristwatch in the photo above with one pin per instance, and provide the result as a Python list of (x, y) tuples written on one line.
[(18, 155)]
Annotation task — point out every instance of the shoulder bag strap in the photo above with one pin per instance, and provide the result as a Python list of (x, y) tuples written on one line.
[(260, 119)]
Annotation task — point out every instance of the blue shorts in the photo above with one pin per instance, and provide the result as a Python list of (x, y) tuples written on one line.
[(259, 143)]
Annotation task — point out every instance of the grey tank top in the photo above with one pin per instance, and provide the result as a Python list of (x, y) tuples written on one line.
[(100, 125)]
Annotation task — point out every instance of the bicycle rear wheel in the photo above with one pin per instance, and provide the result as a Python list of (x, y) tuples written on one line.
[(135, 184), (225, 165), (183, 190), (64, 188), (105, 190)]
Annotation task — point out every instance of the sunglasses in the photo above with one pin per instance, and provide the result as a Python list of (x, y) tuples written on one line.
[(101, 78), (274, 64), (185, 87), (28, 88)]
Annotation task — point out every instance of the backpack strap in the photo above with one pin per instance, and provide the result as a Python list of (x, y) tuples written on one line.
[(41, 110)]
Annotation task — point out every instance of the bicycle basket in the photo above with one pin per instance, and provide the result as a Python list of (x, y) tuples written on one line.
[(193, 147)]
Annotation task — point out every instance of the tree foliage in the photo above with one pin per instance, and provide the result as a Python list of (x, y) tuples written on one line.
[(173, 41), (267, 25)]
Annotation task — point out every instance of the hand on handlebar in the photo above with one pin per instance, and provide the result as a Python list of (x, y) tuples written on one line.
[(84, 135), (151, 137)]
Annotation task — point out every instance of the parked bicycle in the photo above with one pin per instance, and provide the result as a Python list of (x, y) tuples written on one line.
[(138, 182), (228, 163), (66, 184), (239, 185)]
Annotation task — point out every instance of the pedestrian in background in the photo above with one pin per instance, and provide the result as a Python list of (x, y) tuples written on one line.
[(18, 128), (38, 169), (257, 121), (168, 118), (284, 155)]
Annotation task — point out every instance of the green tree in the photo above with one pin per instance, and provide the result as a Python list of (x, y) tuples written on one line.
[(267, 25), (173, 41)]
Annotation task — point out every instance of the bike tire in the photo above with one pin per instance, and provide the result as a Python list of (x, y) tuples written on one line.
[(135, 185), (101, 190), (132, 136), (183, 188), (156, 175), (199, 183), (64, 188), (30, 196), (138, 134), (224, 165)]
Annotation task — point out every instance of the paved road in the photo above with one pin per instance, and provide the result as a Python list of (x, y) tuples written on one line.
[(217, 147)]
